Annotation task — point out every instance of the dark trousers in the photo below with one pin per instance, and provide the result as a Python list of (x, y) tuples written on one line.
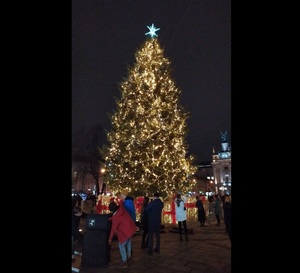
[(145, 237), (180, 228), (151, 232), (201, 217)]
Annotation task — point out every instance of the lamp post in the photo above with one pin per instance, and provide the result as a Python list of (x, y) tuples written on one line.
[(102, 171), (209, 181)]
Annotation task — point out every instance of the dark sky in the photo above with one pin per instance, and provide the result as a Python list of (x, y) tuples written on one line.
[(196, 36)]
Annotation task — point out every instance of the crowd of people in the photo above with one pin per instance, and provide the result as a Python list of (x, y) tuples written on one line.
[(124, 223)]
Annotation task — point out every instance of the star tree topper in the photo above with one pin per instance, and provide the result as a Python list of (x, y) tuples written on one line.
[(152, 30)]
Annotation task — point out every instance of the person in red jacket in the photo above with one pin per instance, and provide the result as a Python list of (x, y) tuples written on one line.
[(124, 227)]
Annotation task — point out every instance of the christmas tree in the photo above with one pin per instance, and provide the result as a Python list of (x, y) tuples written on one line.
[(147, 150)]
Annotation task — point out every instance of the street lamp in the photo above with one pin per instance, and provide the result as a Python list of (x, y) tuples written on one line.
[(102, 171), (209, 182)]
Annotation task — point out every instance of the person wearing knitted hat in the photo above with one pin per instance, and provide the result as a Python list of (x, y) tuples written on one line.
[(129, 204)]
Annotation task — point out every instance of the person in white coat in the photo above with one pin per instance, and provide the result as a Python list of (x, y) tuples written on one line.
[(180, 214)]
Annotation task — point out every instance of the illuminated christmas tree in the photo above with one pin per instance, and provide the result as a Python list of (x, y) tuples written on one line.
[(147, 150)]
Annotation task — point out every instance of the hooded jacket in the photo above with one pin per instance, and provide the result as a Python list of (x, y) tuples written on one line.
[(122, 224), (130, 207)]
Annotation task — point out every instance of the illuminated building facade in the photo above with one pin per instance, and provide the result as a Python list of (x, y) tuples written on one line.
[(221, 166)]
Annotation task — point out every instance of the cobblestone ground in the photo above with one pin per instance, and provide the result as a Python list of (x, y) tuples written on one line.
[(207, 251)]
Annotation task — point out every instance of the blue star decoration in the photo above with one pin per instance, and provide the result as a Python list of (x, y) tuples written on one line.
[(152, 30)]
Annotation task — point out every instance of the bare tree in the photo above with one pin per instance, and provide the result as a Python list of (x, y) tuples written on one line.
[(85, 151)]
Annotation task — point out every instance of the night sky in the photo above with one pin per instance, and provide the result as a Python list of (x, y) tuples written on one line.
[(196, 36)]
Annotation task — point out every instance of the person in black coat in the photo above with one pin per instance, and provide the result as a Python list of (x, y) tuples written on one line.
[(76, 235), (201, 211), (76, 217), (227, 215), (154, 210), (144, 223)]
